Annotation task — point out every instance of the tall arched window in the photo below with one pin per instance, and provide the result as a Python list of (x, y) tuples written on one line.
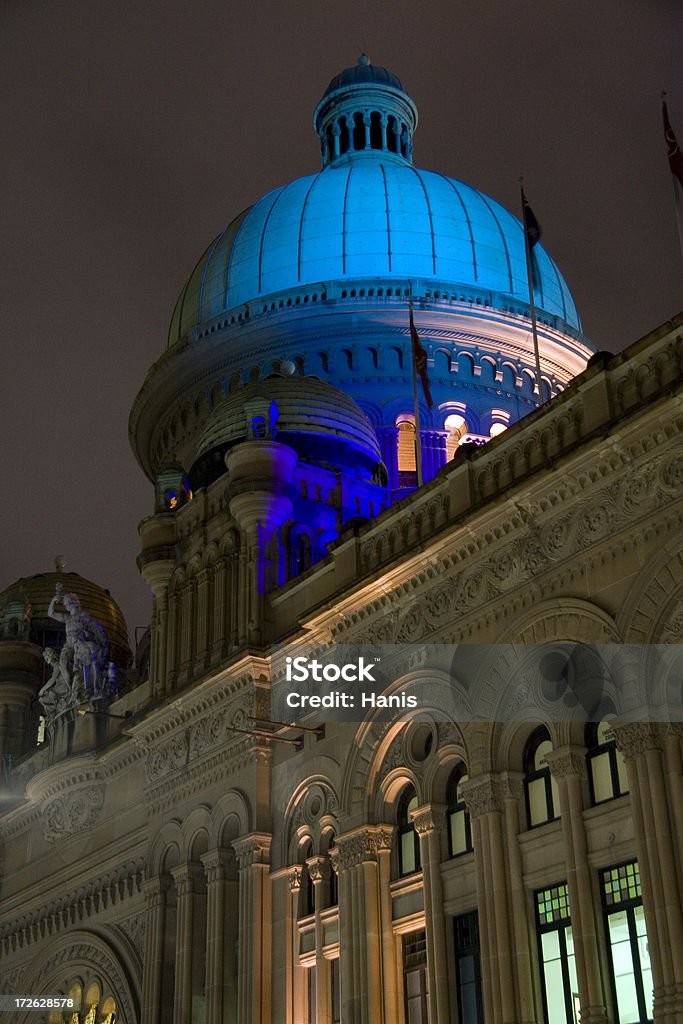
[(459, 825), (407, 459), (408, 839), (456, 426), (542, 797), (606, 765)]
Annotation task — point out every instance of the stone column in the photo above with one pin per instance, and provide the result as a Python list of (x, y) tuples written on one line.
[(513, 795), (253, 858), (319, 872), (429, 824), (202, 625), (155, 890), (185, 877), (361, 942), (220, 994), (484, 800), (218, 611), (643, 744), (568, 766)]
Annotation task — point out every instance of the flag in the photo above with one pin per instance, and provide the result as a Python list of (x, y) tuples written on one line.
[(420, 361), (531, 225), (673, 148), (532, 233)]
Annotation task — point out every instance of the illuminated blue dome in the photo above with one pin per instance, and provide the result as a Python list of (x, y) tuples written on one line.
[(370, 215)]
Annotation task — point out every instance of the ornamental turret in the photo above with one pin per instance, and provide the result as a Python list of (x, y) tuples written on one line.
[(365, 108)]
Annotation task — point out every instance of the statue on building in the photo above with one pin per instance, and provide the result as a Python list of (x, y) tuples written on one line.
[(81, 670)]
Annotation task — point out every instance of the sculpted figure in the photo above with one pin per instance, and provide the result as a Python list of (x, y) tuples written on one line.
[(55, 695), (84, 657)]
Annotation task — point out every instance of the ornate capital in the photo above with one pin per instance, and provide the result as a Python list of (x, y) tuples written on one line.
[(482, 796), (429, 818), (294, 877), (634, 738), (186, 877), (318, 869), (252, 849), (216, 863), (567, 761), (155, 890), (361, 845)]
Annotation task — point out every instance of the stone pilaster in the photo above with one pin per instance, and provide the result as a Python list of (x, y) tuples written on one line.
[(484, 798), (155, 890), (253, 859), (358, 860), (568, 767), (429, 821), (221, 990), (319, 872), (185, 877)]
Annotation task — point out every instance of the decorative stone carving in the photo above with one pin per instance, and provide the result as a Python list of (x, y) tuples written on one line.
[(135, 928), (430, 818), (318, 869), (82, 669), (482, 796), (252, 849), (361, 845), (634, 738), (69, 813), (566, 762), (294, 877)]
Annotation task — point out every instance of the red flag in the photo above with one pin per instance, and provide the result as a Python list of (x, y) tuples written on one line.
[(673, 148), (420, 361)]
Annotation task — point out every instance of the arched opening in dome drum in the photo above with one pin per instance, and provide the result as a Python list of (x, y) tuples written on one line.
[(329, 137), (358, 132), (407, 459), (456, 425), (392, 142), (375, 131), (343, 135)]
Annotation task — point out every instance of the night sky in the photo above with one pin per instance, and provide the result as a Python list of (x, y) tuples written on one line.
[(134, 132)]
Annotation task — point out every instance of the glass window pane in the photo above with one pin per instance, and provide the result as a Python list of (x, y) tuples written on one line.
[(621, 772), (644, 953), (602, 777), (623, 968), (538, 805), (555, 790), (458, 832), (407, 852)]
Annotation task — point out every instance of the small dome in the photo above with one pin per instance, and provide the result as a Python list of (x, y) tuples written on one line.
[(364, 73), (35, 594), (323, 425)]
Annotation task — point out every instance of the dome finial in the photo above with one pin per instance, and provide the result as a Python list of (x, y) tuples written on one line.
[(364, 60), (60, 563)]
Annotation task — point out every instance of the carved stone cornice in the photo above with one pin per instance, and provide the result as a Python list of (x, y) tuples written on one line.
[(429, 818), (567, 761), (361, 845), (483, 796), (252, 849)]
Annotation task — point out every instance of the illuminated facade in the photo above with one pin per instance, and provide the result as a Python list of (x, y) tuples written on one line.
[(186, 857)]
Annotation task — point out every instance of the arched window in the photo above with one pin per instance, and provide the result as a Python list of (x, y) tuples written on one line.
[(542, 797), (407, 459), (408, 839), (307, 891), (606, 765), (391, 135), (333, 886), (343, 135), (459, 826), (358, 132), (456, 426), (299, 554), (375, 131)]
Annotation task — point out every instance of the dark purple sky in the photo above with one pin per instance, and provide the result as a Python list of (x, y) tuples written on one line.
[(135, 131)]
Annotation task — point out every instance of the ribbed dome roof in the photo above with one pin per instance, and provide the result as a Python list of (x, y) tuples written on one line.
[(36, 592), (363, 73), (321, 423), (367, 217)]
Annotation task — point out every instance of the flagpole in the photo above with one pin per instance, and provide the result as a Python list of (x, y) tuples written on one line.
[(416, 406), (532, 304)]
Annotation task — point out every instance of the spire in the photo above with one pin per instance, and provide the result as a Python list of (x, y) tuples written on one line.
[(365, 108)]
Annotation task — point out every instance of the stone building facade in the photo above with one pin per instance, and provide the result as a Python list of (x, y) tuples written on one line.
[(182, 853)]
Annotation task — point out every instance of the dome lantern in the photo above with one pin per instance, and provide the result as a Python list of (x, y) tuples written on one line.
[(365, 108)]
